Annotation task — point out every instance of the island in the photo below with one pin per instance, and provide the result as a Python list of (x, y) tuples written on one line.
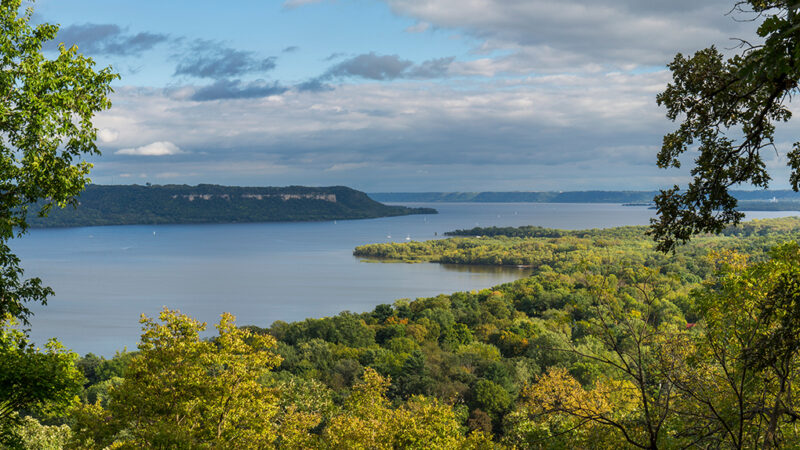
[(207, 203)]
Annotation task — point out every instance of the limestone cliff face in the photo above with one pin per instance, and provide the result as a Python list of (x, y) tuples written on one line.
[(326, 197)]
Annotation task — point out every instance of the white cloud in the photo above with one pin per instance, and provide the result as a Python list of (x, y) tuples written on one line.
[(107, 135), (543, 120), (160, 148), (547, 36)]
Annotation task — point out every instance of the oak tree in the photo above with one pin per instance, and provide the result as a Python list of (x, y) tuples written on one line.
[(728, 109)]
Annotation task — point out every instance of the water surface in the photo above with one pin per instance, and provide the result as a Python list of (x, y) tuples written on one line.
[(105, 277)]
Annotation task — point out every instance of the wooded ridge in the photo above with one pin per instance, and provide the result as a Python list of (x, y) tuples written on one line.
[(753, 200)]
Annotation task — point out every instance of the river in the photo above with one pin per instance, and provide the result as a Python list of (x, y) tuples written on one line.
[(105, 277)]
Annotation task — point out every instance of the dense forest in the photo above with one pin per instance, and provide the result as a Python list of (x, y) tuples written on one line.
[(539, 247), (758, 200), (208, 203), (608, 344)]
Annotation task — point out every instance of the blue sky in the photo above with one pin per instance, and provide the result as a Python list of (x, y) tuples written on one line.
[(391, 95)]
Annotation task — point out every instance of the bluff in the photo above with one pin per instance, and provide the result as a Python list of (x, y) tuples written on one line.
[(208, 203)]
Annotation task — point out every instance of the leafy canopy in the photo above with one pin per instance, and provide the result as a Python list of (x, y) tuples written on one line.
[(728, 109), (46, 110), (181, 391), (43, 381)]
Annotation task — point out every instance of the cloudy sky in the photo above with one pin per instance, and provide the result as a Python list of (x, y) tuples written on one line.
[(389, 95)]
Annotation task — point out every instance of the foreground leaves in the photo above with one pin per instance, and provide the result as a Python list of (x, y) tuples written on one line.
[(184, 392), (42, 381)]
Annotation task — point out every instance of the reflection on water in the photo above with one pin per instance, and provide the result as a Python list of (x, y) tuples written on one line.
[(519, 272), (513, 271)]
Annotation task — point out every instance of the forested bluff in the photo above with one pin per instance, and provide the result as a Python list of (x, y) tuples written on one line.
[(208, 203), (608, 344)]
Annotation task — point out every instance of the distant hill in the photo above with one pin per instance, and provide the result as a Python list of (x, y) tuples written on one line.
[(518, 196), (766, 200), (208, 203)]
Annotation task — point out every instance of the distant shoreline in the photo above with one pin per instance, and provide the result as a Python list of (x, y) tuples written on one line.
[(766, 200)]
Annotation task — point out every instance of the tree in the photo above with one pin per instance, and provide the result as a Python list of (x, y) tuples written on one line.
[(42, 381), (46, 110), (633, 399), (737, 385), (368, 421), (559, 412), (183, 392), (43, 437), (492, 398), (728, 109)]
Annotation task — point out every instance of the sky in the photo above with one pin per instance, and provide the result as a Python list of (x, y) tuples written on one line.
[(392, 95)]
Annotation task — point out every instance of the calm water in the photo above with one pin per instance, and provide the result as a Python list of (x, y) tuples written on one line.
[(105, 277)]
